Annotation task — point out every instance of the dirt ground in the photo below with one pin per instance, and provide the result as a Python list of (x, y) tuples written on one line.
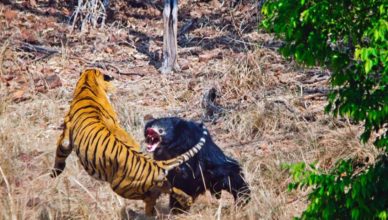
[(272, 109)]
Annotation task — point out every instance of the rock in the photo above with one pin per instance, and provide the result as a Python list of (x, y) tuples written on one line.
[(32, 202), (49, 82), (53, 81), (19, 96), (184, 64)]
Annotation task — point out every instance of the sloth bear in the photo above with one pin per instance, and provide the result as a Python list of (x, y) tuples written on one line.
[(210, 169)]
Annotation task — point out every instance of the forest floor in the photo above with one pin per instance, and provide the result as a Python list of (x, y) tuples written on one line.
[(272, 108)]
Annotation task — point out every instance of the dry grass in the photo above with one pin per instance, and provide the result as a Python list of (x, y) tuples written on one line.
[(89, 14), (267, 121)]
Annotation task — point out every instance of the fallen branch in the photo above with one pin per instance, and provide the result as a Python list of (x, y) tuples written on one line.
[(125, 73), (41, 58), (46, 51), (308, 91), (316, 79), (104, 65), (314, 96), (37, 48), (120, 72)]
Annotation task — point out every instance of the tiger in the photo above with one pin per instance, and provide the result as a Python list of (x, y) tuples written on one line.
[(107, 152)]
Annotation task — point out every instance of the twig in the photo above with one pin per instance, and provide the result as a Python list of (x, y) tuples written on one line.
[(3, 49), (316, 79), (126, 43), (190, 50), (313, 96), (41, 58), (104, 65), (89, 13), (237, 29), (203, 177), (187, 26), (241, 41), (219, 209), (125, 73), (75, 15), (12, 208), (279, 101), (88, 192)]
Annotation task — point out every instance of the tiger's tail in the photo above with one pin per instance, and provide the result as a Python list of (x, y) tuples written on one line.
[(172, 163), (64, 148)]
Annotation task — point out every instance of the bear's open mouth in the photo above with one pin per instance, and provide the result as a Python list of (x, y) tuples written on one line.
[(152, 139)]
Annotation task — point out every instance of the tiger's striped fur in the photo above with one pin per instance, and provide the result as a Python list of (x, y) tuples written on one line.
[(109, 153)]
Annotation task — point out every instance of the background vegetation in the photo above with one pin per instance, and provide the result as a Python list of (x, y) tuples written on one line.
[(350, 39)]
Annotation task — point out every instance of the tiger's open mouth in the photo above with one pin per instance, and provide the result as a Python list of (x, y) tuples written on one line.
[(152, 139)]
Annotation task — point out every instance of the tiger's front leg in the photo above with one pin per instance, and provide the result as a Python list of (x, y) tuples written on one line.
[(185, 201), (64, 148)]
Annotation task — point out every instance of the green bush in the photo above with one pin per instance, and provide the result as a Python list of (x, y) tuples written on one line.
[(348, 37)]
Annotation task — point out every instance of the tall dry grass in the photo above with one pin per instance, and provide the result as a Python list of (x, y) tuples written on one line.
[(88, 14)]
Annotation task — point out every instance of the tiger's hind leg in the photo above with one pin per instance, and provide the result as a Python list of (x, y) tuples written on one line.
[(64, 148), (150, 202), (162, 186)]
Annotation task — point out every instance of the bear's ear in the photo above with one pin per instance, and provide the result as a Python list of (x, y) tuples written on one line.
[(148, 117)]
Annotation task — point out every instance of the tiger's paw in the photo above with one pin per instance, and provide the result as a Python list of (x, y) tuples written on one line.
[(189, 203), (186, 203)]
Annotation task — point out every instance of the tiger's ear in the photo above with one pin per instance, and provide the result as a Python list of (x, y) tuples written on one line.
[(108, 78)]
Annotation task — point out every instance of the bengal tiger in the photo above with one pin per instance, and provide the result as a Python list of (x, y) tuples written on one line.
[(109, 153)]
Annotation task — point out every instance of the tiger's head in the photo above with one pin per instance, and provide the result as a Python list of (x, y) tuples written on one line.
[(96, 80)]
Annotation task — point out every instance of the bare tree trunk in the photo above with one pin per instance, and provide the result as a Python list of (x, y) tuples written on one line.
[(170, 44)]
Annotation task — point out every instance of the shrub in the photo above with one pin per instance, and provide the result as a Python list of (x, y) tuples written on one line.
[(348, 37)]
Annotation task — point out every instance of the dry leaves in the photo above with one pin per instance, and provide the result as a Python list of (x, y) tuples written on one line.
[(210, 55), (19, 96), (49, 82), (29, 35), (10, 15)]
